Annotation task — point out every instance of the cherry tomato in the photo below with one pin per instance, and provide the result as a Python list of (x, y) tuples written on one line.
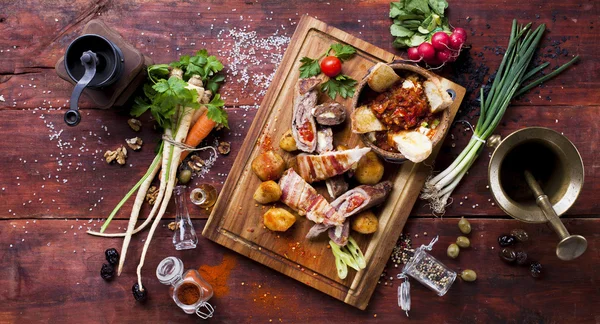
[(331, 66)]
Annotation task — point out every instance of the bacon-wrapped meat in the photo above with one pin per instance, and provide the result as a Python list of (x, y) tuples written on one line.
[(362, 198), (304, 129), (320, 167), (304, 199)]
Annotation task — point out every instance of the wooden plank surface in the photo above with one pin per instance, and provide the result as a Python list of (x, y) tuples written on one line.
[(34, 36), (50, 262)]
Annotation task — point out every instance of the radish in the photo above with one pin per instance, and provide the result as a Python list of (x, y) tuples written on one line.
[(413, 54), (460, 31), (440, 40), (434, 61), (444, 55), (457, 41), (427, 52)]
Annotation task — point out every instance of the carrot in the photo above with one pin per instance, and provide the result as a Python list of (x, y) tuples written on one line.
[(198, 133)]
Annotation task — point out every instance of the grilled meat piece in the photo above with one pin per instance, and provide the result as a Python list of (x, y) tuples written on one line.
[(304, 129), (320, 167)]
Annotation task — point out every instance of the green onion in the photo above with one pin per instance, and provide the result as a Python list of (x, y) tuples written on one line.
[(507, 85)]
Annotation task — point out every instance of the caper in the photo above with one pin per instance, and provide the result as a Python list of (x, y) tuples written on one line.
[(185, 176), (464, 226), (453, 250), (463, 242), (468, 275)]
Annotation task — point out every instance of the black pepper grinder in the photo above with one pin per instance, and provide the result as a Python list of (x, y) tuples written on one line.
[(94, 62)]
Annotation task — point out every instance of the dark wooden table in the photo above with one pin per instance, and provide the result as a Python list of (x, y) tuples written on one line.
[(54, 183)]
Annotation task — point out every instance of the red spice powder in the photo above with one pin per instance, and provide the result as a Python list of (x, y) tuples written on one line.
[(218, 275)]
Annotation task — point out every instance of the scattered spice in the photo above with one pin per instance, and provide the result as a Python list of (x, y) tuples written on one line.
[(218, 275)]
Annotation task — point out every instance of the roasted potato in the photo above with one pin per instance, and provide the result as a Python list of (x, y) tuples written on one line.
[(369, 170), (287, 142), (365, 222), (268, 166), (329, 113), (278, 219), (267, 192), (382, 77), (364, 121)]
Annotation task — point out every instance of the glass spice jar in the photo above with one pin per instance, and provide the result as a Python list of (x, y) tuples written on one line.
[(184, 236), (189, 290), (204, 196), (430, 272)]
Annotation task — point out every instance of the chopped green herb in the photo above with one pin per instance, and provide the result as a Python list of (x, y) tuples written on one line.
[(309, 67), (424, 124), (341, 84), (343, 52)]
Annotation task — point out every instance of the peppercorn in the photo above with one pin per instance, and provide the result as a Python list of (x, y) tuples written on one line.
[(112, 256), (107, 272), (139, 295)]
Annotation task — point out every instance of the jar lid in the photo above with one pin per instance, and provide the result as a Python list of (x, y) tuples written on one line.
[(169, 270)]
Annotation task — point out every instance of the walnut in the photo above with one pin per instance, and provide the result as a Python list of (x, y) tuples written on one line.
[(224, 148), (134, 143), (206, 97), (196, 163), (173, 226), (120, 155), (135, 124), (151, 195)]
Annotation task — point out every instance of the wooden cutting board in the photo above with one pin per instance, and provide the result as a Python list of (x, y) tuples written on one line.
[(236, 220)]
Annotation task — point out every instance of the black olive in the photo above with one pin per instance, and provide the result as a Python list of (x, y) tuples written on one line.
[(520, 234), (139, 295), (112, 256), (521, 257), (508, 255), (536, 269), (506, 240), (107, 272)]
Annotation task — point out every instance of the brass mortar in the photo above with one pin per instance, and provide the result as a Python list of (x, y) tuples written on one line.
[(555, 163)]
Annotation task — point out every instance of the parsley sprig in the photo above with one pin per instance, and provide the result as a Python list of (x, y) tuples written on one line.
[(163, 94), (341, 84)]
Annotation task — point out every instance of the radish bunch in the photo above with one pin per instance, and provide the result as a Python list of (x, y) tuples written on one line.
[(443, 48)]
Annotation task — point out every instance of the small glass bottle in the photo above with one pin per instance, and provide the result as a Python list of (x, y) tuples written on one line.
[(204, 196), (430, 272), (189, 290), (184, 236)]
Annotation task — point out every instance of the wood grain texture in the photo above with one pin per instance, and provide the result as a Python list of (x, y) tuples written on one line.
[(37, 279), (42, 280), (236, 219)]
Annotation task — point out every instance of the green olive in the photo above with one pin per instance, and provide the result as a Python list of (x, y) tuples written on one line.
[(464, 226), (468, 275), (463, 242), (185, 176), (453, 250)]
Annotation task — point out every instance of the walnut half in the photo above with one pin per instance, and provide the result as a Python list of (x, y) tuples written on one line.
[(151, 195), (135, 124), (134, 143), (120, 155)]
